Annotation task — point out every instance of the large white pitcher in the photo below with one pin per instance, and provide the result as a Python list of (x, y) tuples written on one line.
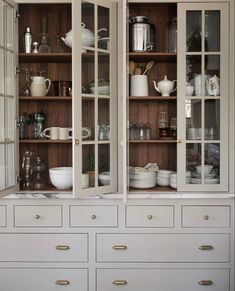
[(39, 86)]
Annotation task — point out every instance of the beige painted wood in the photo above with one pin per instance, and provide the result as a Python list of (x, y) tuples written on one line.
[(38, 216), (3, 215), (38, 279), (43, 247), (93, 216), (224, 89), (162, 247), (206, 216), (162, 279), (150, 216)]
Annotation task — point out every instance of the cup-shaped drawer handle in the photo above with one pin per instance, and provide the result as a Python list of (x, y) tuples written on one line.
[(150, 217), (93, 216), (205, 283), (62, 282), (120, 282), (206, 217), (62, 248), (206, 248), (37, 216), (119, 247)]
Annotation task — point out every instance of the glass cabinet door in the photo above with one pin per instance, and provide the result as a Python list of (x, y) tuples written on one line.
[(95, 97), (203, 92), (8, 147)]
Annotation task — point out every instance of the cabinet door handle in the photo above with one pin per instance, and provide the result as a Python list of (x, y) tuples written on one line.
[(62, 282), (150, 217), (206, 217), (62, 248), (206, 248), (119, 247), (205, 283), (120, 282), (37, 216), (76, 141), (93, 216), (179, 140)]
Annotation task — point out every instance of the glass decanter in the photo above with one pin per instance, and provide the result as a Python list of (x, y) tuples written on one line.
[(44, 48), (25, 89), (57, 49)]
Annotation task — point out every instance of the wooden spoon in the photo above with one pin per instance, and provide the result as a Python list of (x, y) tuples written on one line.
[(131, 68), (138, 71), (148, 67)]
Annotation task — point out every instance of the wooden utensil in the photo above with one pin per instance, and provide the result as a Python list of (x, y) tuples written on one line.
[(148, 67), (138, 71), (131, 68)]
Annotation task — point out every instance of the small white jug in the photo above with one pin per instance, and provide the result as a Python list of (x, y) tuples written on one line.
[(39, 86)]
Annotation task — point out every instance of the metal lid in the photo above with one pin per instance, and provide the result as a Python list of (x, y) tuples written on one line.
[(138, 19)]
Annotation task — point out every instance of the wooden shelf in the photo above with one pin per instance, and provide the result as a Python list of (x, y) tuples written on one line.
[(45, 58), (153, 141), (45, 98), (45, 141), (155, 56), (152, 98), (48, 188), (151, 190)]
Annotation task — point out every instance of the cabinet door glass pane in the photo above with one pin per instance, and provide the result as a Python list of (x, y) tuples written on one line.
[(195, 85), (2, 167), (103, 119), (212, 74), (9, 27), (212, 120), (212, 163), (1, 71), (10, 164), (88, 72), (193, 119), (88, 119), (104, 164), (1, 23), (103, 74), (103, 28), (89, 165), (11, 118), (88, 25), (194, 31), (193, 162), (212, 31), (9, 78), (2, 118)]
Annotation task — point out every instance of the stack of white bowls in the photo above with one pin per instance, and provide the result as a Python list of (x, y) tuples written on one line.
[(163, 178), (173, 179), (143, 179)]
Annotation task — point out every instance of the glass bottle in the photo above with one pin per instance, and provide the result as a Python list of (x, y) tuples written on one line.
[(147, 131), (23, 126), (57, 49), (39, 169), (25, 90), (172, 35), (44, 48), (141, 131)]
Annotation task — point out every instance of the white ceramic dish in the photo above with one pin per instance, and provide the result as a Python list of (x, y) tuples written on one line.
[(61, 177), (142, 185), (143, 175), (103, 90), (173, 185), (163, 182), (206, 181), (164, 173), (104, 178), (207, 169)]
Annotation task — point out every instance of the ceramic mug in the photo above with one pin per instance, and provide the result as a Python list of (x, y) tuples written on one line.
[(65, 133), (139, 85), (86, 132), (53, 132)]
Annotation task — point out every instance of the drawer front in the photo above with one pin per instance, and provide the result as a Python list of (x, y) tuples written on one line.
[(163, 279), (43, 279), (43, 247), (149, 216), (206, 216), (3, 214), (38, 216), (93, 216), (163, 247)]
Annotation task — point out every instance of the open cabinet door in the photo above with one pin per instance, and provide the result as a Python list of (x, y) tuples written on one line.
[(8, 105)]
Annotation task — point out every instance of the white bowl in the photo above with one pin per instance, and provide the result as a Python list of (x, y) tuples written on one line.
[(163, 181), (103, 90), (173, 185), (142, 185), (143, 176), (189, 90), (104, 178), (207, 169), (61, 177)]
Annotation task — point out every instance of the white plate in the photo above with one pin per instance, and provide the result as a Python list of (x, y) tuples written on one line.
[(141, 185), (206, 181), (208, 176)]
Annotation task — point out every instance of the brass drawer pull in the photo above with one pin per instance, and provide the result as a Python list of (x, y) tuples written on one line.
[(206, 217), (205, 283), (62, 248), (120, 282), (62, 282), (206, 248), (150, 217), (93, 216), (119, 247), (37, 216)]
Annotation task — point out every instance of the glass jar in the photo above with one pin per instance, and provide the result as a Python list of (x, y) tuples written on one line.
[(171, 36), (23, 126)]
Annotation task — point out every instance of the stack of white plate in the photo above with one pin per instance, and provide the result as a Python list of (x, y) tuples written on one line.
[(143, 180), (173, 179), (163, 177), (210, 175)]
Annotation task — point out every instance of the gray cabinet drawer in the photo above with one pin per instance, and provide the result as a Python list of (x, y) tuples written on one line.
[(150, 216), (93, 216), (38, 216), (205, 216)]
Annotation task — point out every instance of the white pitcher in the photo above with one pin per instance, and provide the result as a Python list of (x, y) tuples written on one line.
[(40, 86), (213, 86)]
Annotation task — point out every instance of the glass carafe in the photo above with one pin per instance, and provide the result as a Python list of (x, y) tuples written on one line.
[(44, 48), (171, 36)]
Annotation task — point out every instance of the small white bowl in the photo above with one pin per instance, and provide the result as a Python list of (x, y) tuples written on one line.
[(207, 169), (61, 177), (104, 178), (189, 90), (163, 181)]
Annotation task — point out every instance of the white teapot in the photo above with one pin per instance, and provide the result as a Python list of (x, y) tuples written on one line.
[(39, 86), (213, 86), (165, 87), (87, 36)]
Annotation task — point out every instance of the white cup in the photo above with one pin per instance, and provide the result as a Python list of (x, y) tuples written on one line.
[(139, 85), (86, 132), (65, 133), (53, 132), (85, 181)]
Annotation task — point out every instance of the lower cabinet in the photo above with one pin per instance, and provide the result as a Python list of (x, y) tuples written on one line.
[(163, 279), (24, 279)]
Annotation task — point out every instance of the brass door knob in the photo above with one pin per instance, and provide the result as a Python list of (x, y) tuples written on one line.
[(37, 216), (206, 217), (179, 140), (93, 216), (76, 141), (150, 217)]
